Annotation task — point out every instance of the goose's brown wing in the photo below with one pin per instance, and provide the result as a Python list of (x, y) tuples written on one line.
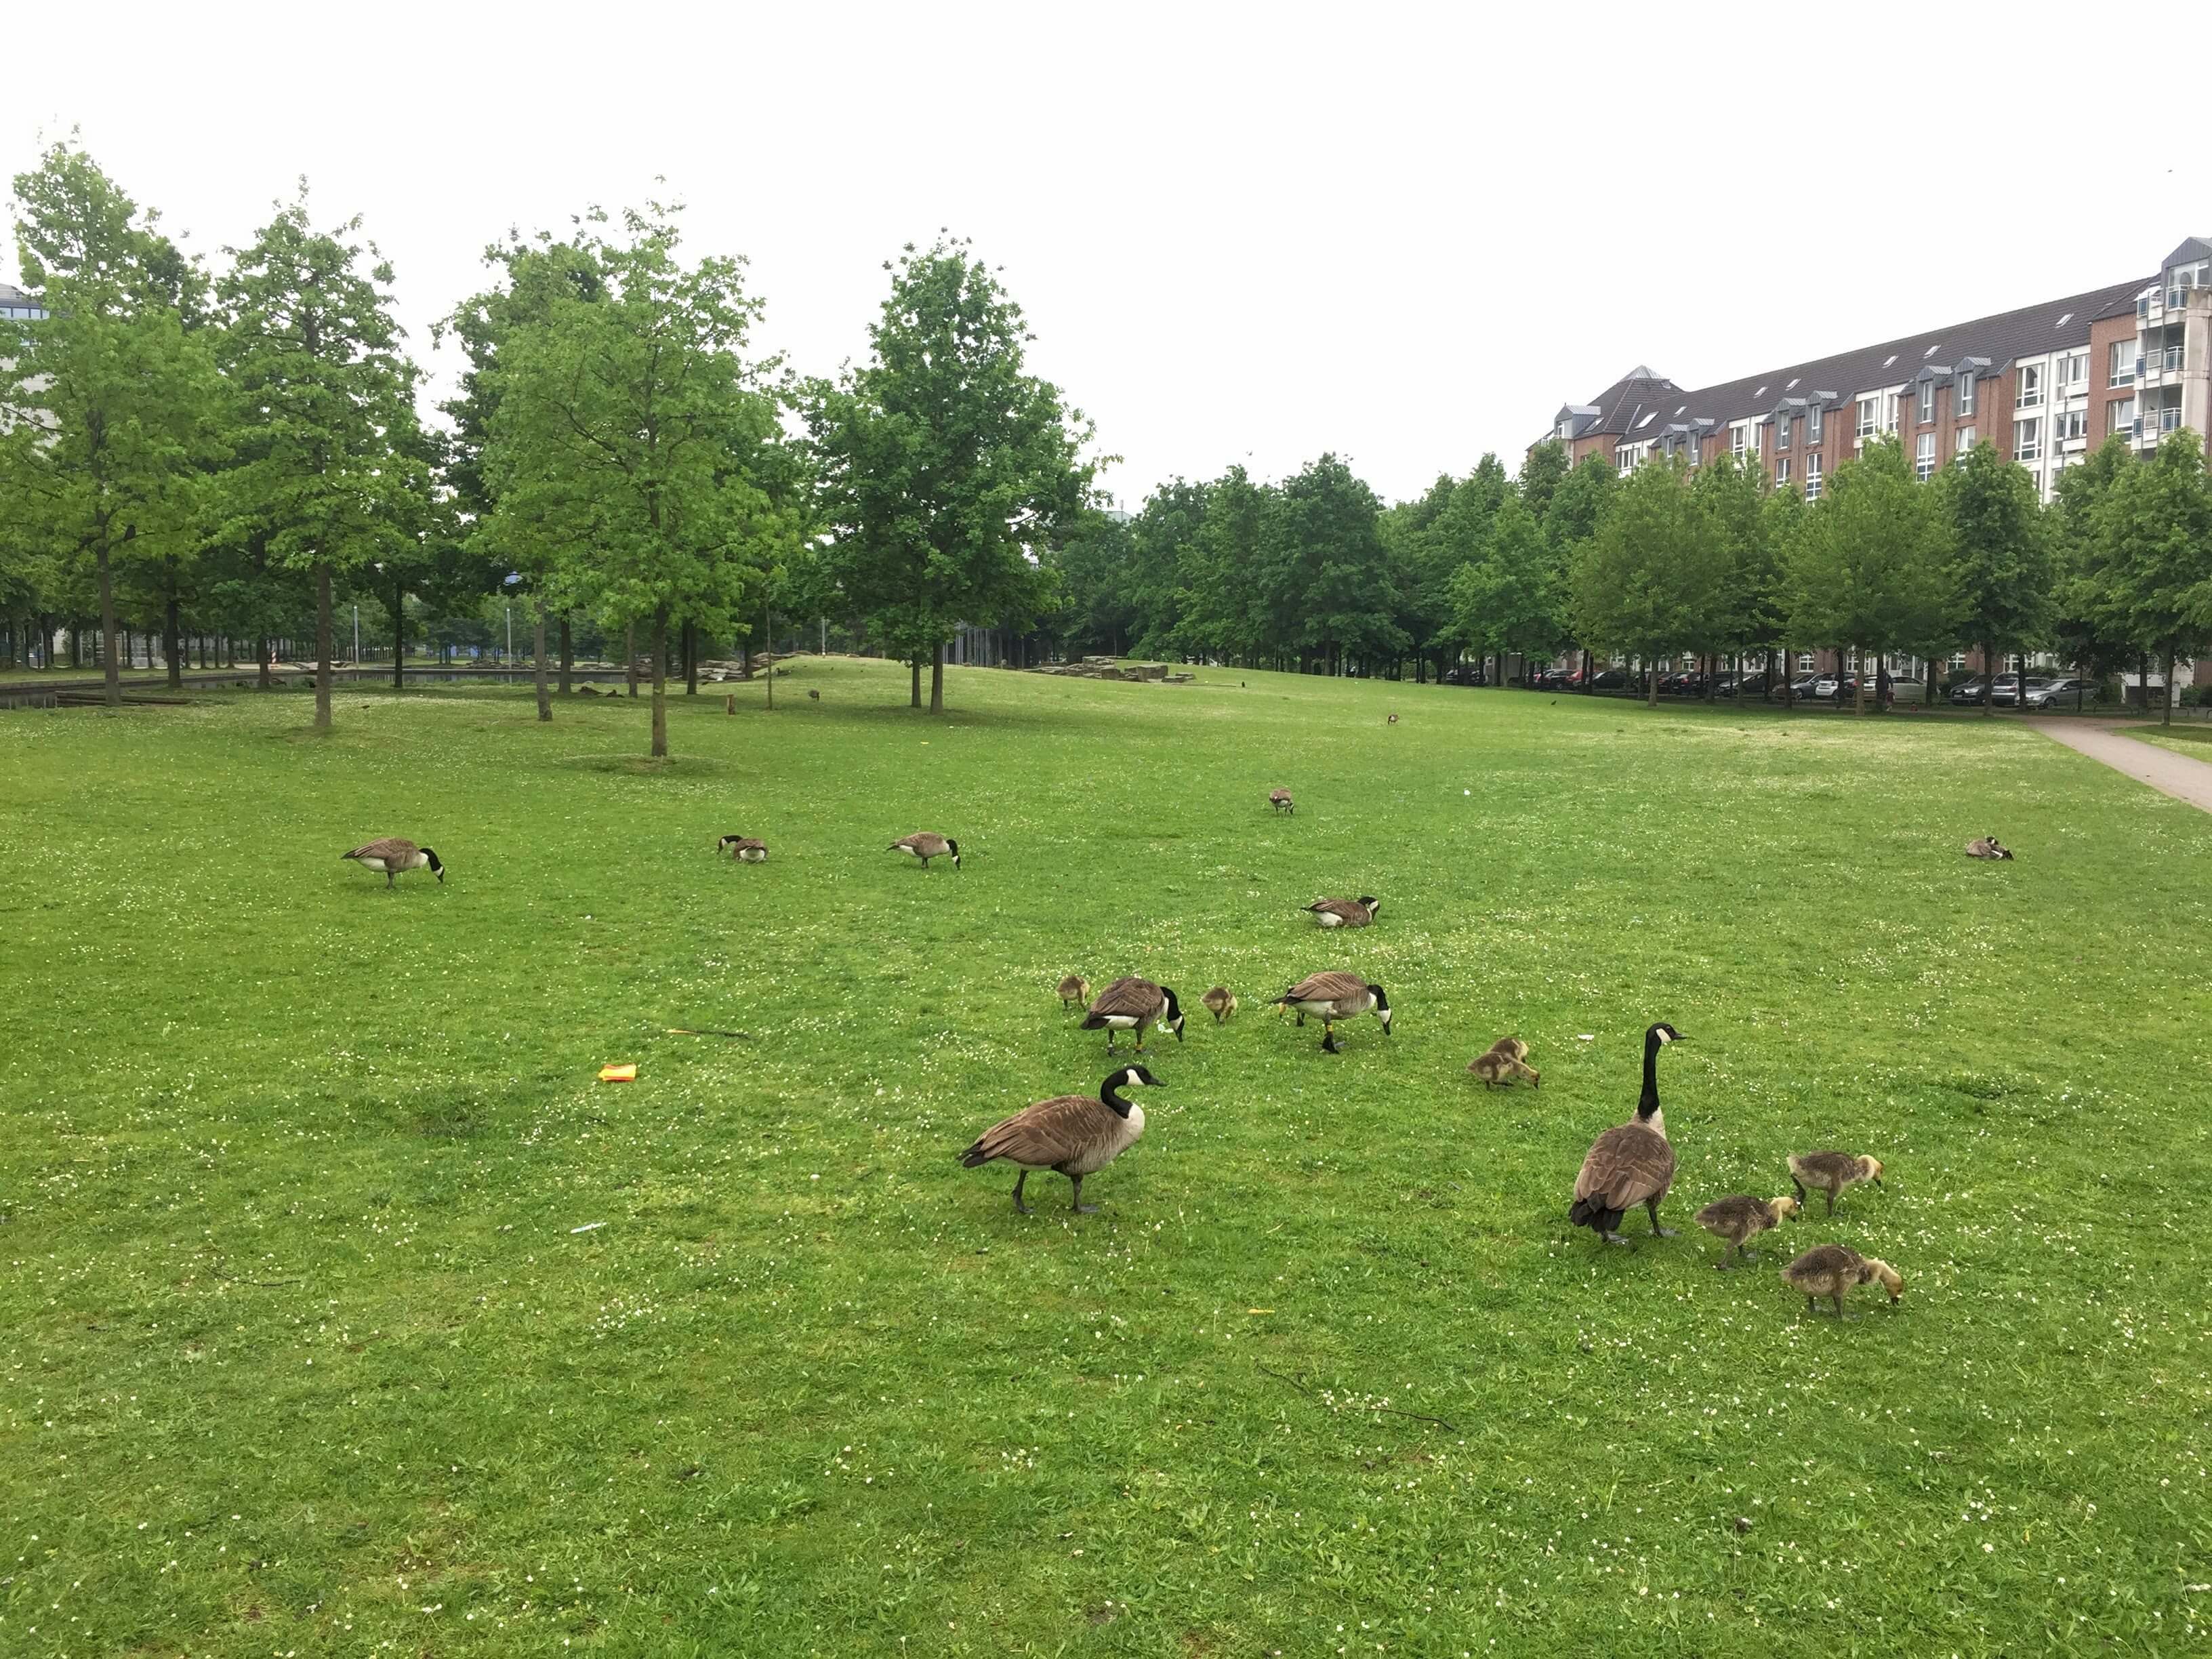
[(1129, 996), (927, 841), (1823, 1264), (1327, 987), (1829, 1166), (1351, 910), (1627, 1165), (392, 847), (1051, 1132)]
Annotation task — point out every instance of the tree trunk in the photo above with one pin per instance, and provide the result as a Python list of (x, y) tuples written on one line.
[(1989, 676), (936, 678), (172, 643), (1858, 692), (1651, 681), (914, 694), (2165, 703), (537, 654), (660, 683), (398, 633), (322, 645), (567, 657), (112, 692), (629, 656), (768, 634), (1789, 683), (261, 662), (690, 659)]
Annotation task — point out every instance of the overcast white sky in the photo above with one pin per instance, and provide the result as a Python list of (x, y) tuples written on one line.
[(1249, 234)]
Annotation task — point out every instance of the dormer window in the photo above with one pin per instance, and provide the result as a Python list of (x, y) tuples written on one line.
[(1927, 403), (1962, 396), (1812, 424), (1782, 430)]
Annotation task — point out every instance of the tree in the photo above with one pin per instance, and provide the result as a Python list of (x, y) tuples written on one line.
[(1543, 470), (2092, 625), (1579, 503), (2002, 557), (2156, 523), (635, 454), (1760, 591), (1873, 570), (322, 409), (1509, 600), (106, 403), (1733, 497), (945, 461), (1651, 580), (1325, 569)]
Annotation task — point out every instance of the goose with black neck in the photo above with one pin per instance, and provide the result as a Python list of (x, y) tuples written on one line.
[(1075, 1135), (1631, 1163)]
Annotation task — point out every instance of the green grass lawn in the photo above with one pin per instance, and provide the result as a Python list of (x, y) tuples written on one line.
[(305, 1352)]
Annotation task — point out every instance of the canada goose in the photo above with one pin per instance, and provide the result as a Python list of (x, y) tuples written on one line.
[(1281, 801), (1393, 721), (1829, 1270), (1345, 913), (1743, 1217), (1074, 990), (396, 856), (1332, 997), (1831, 1172), (1219, 1003), (1075, 1135), (1632, 1163), (814, 697), (1130, 1004), (743, 848), (1505, 1058), (926, 846), (1987, 846)]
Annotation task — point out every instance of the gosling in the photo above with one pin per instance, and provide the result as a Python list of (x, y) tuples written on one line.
[(1281, 801), (1831, 1172), (1829, 1270), (1074, 992), (1504, 1060), (1738, 1220), (1219, 1003)]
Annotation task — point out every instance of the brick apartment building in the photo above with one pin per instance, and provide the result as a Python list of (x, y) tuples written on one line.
[(2046, 384)]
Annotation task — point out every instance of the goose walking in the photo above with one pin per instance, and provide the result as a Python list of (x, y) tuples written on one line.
[(1336, 996), (1830, 1173), (1281, 801), (395, 856), (1736, 1221), (926, 846), (1632, 1163), (1076, 1134), (1344, 913), (1130, 1004), (1829, 1270)]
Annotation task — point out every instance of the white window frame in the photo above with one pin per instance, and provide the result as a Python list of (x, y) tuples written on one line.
[(1962, 396), (1927, 403), (1866, 416), (1782, 469), (1961, 444), (1781, 431), (2030, 395), (2073, 374), (1923, 460), (1812, 424), (1889, 402), (2124, 356), (2069, 423), (1740, 439), (1812, 477), (1627, 458), (2120, 416), (2027, 440)]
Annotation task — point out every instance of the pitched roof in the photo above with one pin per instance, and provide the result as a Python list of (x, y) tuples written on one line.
[(15, 296), (1997, 341)]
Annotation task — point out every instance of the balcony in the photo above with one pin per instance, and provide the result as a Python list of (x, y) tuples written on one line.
[(2159, 365)]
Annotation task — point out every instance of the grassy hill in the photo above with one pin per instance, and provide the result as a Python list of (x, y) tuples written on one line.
[(306, 1347)]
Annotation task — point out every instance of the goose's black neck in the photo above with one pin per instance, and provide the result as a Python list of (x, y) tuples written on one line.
[(1110, 1091), (1647, 1102)]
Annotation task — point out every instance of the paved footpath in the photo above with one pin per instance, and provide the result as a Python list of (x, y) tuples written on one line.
[(2169, 774)]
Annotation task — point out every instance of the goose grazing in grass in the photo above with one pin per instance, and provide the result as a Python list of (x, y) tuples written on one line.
[(926, 846), (1130, 1004), (1829, 1270), (1074, 991), (1220, 1002), (1987, 846), (1632, 1163), (1281, 801), (1333, 997), (1345, 913), (1506, 1058), (1831, 1172), (743, 848), (1738, 1220), (395, 856), (1076, 1134)]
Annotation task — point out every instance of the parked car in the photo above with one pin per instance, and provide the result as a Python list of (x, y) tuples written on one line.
[(1750, 685), (2006, 691), (1967, 691), (1804, 684), (1688, 683), (1464, 674), (1610, 679), (2059, 692)]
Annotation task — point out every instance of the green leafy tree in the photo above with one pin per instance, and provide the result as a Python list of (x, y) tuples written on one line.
[(2002, 553), (1759, 591), (1651, 580), (108, 402), (1733, 495), (634, 459), (1579, 503), (1227, 607), (945, 462), (1510, 599), (1543, 470), (321, 411), (2092, 625), (2156, 523), (1327, 570), (1873, 568)]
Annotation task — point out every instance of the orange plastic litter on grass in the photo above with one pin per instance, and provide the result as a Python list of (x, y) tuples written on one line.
[(618, 1073)]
